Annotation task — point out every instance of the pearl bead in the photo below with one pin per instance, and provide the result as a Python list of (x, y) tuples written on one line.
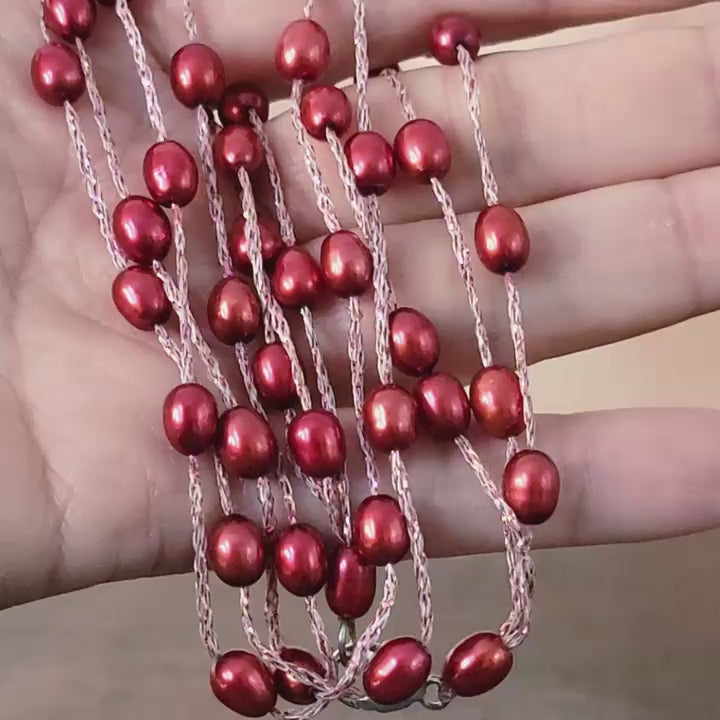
[(414, 342), (346, 264), (450, 32), (390, 418), (237, 146), (190, 418), (272, 373), (236, 551), (141, 229), (303, 51), (300, 560), (271, 243), (501, 239), (399, 669), (140, 298), (246, 443), (197, 75), (372, 162), (57, 74), (70, 19), (171, 174), (477, 664), (323, 107), (531, 486), (497, 402), (380, 531), (351, 585), (237, 101), (422, 150), (317, 442), (296, 279), (289, 685), (242, 683), (443, 406), (234, 312)]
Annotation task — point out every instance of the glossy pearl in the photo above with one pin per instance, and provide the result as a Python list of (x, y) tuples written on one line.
[(237, 101), (414, 342), (501, 239), (443, 406), (422, 150), (234, 312), (171, 174), (246, 443), (346, 264), (380, 531), (236, 551), (531, 486), (70, 19), (317, 442), (390, 418), (272, 373), (450, 32), (197, 75), (271, 243), (57, 74), (351, 585), (303, 51), (477, 664), (289, 685), (242, 683), (237, 146), (300, 560), (140, 298), (141, 229), (296, 279), (399, 669), (323, 107), (372, 162), (190, 418), (497, 402)]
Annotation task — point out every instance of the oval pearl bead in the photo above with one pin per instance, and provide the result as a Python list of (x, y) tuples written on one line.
[(237, 146), (303, 51), (531, 486), (141, 229), (190, 418), (497, 402), (140, 298), (399, 669), (241, 682), (57, 74), (271, 243), (422, 150), (380, 531), (272, 373), (390, 418), (246, 443), (70, 19), (197, 75), (296, 279), (171, 174), (317, 442), (443, 406), (289, 685), (346, 264), (301, 560), (234, 312), (477, 664), (236, 551), (372, 162), (323, 107), (501, 239), (237, 101), (351, 585), (414, 342), (450, 32)]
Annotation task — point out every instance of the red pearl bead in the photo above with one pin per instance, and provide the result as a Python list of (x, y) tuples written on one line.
[(323, 107), (390, 418), (477, 664), (399, 669), (497, 402), (236, 551), (272, 373), (271, 243), (70, 19), (351, 585), (303, 51), (237, 101), (296, 279), (300, 560), (237, 146), (197, 75), (171, 174), (414, 342), (234, 311), (501, 239), (140, 298), (317, 442), (422, 150), (450, 32), (57, 74), (443, 406), (246, 443), (141, 229), (531, 486), (242, 683), (346, 264), (190, 418), (289, 685), (380, 531), (372, 162)]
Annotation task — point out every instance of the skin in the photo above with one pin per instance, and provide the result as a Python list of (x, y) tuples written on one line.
[(610, 150)]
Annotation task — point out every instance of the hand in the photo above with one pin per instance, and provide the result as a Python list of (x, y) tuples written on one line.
[(608, 147)]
